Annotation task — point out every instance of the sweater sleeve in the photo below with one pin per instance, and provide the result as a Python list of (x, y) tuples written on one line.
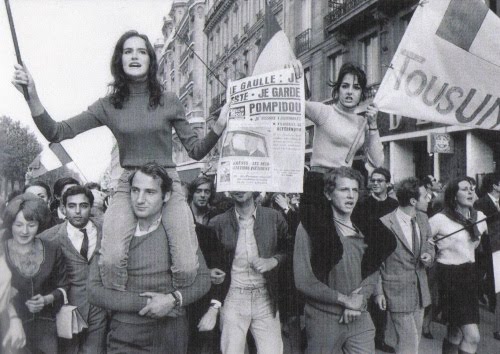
[(374, 150), (305, 280), (196, 147), (57, 131), (201, 284), (318, 112), (110, 299), (60, 278)]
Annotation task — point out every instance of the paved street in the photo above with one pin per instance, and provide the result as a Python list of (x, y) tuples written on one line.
[(488, 344)]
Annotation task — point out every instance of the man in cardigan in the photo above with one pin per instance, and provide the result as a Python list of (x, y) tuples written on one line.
[(149, 316), (335, 267), (490, 243), (403, 289), (254, 247), (79, 238)]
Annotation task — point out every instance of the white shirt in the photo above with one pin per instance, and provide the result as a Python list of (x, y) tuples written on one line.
[(458, 248), (243, 275), (404, 221), (151, 228), (494, 200), (76, 237)]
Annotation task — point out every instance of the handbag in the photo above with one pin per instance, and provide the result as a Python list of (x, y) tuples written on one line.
[(69, 320)]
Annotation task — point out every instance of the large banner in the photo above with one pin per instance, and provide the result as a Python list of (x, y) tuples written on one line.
[(447, 66), (264, 142)]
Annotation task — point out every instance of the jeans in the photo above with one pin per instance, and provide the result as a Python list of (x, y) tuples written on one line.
[(408, 327), (250, 309), (119, 228)]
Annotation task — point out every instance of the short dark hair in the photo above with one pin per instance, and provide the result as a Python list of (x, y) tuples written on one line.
[(349, 68), (33, 208), (407, 189), (198, 182), (428, 180), (61, 183), (451, 191), (75, 190), (330, 178), (384, 172), (93, 185), (39, 184), (152, 169), (489, 180)]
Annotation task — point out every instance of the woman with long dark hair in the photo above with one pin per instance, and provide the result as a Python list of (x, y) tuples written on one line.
[(456, 267), (38, 271), (141, 116)]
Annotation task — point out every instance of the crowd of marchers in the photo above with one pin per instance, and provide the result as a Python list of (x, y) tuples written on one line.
[(151, 271)]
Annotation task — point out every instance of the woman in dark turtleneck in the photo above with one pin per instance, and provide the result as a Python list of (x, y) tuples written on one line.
[(141, 117)]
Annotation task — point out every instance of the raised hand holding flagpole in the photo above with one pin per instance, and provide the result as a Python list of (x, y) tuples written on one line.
[(16, 45)]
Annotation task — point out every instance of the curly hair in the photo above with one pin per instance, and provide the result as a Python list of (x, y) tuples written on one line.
[(330, 178), (120, 91)]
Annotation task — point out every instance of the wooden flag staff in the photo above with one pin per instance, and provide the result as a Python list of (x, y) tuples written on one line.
[(16, 45)]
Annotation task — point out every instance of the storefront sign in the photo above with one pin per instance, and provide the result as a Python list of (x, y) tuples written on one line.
[(441, 143)]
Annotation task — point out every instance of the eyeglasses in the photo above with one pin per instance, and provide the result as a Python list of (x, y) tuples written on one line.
[(377, 180)]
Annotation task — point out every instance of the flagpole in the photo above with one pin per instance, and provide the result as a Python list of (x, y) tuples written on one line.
[(196, 54), (16, 45), (463, 228)]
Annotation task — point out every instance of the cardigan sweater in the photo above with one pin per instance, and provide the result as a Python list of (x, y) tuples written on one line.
[(336, 132), (50, 277), (143, 134), (343, 278), (148, 270)]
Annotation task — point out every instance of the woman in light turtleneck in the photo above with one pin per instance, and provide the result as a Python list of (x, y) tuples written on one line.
[(141, 117)]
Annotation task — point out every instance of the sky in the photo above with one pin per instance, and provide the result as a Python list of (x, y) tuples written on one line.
[(67, 47)]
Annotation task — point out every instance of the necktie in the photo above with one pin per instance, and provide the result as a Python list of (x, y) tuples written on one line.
[(414, 237), (497, 205), (85, 244)]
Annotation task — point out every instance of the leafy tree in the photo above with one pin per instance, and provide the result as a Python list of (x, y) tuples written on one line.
[(18, 148)]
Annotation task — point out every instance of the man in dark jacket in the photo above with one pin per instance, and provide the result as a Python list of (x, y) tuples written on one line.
[(254, 247), (490, 243)]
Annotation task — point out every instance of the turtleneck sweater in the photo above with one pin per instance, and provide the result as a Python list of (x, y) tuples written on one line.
[(143, 133), (335, 132)]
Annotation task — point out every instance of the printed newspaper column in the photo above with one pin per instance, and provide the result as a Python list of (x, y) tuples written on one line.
[(264, 143)]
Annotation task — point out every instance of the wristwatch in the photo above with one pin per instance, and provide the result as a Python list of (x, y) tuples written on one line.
[(177, 299)]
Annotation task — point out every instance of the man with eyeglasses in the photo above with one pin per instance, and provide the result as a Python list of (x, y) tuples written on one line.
[(365, 215)]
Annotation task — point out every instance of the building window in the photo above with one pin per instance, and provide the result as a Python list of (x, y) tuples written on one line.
[(334, 64), (307, 75), (370, 58)]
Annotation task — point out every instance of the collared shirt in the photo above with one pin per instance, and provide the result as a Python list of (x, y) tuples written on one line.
[(243, 275), (152, 227), (405, 223), (76, 236), (494, 200)]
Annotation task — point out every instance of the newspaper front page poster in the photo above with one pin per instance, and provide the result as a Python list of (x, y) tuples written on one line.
[(264, 142)]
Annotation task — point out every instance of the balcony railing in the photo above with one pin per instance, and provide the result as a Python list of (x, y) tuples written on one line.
[(339, 9), (188, 82), (185, 54), (236, 38), (217, 102), (303, 42)]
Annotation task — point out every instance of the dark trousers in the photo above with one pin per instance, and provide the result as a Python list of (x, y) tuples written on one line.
[(166, 336), (92, 340), (41, 336), (379, 319)]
